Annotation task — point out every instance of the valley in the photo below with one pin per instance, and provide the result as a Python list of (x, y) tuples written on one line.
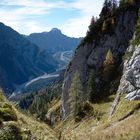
[(63, 58), (56, 87), (44, 80), (22, 88)]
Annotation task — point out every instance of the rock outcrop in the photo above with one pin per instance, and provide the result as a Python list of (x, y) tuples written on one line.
[(130, 81)]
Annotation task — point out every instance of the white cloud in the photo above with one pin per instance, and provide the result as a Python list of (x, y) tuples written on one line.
[(24, 18), (33, 26), (21, 19), (78, 26)]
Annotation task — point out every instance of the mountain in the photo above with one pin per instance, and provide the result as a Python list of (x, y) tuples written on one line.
[(21, 60), (54, 41)]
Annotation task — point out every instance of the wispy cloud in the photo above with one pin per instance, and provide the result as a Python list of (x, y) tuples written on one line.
[(78, 26), (24, 15)]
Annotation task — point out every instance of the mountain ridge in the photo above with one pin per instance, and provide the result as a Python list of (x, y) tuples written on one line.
[(16, 52), (46, 39)]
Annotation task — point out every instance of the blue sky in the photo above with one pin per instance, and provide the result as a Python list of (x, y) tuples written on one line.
[(28, 16)]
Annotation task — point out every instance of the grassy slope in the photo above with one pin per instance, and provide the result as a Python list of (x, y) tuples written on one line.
[(124, 124), (16, 126)]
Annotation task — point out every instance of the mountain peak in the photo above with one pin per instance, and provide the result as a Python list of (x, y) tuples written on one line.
[(55, 30), (1, 23)]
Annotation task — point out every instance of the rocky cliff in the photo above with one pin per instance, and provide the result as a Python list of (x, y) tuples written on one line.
[(90, 55), (129, 87), (130, 81)]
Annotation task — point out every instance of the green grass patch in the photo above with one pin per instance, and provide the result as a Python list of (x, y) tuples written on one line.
[(125, 108)]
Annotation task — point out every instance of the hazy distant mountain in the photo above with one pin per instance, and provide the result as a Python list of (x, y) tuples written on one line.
[(54, 41), (20, 60)]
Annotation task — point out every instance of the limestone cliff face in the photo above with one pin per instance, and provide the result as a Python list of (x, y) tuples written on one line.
[(130, 80), (92, 55)]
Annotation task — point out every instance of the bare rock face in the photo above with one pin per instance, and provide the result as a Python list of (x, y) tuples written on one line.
[(79, 63), (130, 82), (92, 56)]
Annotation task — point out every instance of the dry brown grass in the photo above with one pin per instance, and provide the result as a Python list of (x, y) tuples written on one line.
[(39, 129), (84, 129), (128, 129), (99, 127)]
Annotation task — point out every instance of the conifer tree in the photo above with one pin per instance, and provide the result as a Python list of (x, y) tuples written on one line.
[(106, 10), (114, 6), (92, 22), (108, 66), (76, 95)]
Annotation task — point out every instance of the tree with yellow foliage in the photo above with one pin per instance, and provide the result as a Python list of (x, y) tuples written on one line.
[(104, 26), (108, 66)]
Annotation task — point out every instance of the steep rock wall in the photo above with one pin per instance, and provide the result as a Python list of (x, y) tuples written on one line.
[(92, 55), (130, 80)]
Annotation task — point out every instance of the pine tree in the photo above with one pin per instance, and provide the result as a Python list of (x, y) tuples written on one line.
[(76, 95), (106, 10), (114, 6), (92, 22)]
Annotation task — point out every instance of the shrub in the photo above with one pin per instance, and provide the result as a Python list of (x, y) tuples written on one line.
[(7, 113), (2, 98), (10, 132), (85, 110)]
